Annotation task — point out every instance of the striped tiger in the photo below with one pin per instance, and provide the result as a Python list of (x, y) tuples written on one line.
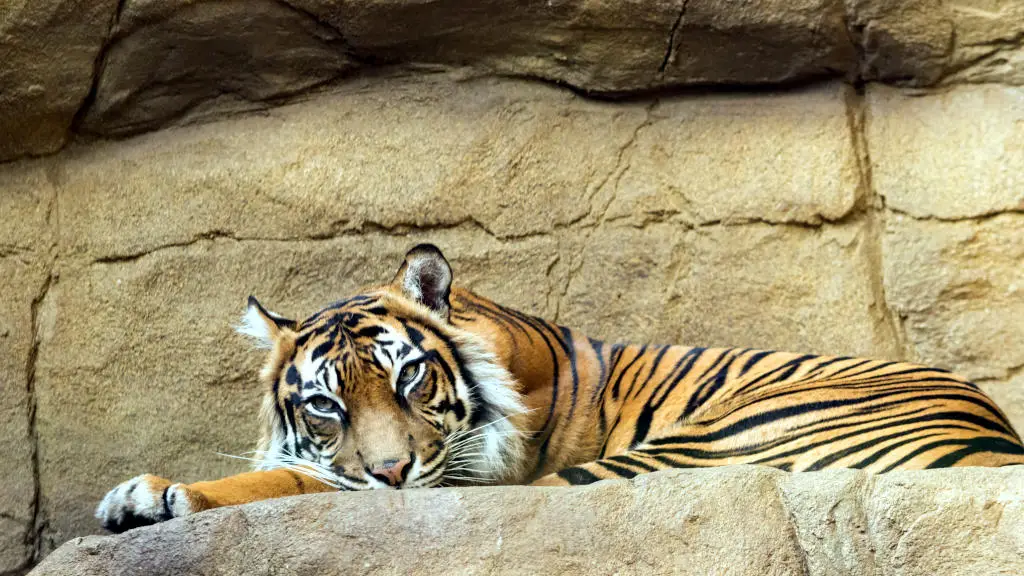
[(415, 384)]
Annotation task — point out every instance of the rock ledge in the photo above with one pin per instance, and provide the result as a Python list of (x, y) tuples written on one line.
[(744, 520)]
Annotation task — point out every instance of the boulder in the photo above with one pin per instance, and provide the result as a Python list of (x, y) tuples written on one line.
[(739, 520), (110, 69), (48, 55), (169, 58), (928, 42)]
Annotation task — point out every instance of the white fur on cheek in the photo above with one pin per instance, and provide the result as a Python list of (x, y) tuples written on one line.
[(257, 327), (503, 444)]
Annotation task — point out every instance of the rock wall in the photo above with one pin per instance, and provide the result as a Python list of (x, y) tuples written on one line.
[(303, 146), (744, 521), (115, 67)]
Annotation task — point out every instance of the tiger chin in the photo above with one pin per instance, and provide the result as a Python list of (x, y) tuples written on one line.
[(417, 384)]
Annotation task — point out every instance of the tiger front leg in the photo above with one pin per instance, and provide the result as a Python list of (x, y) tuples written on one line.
[(149, 499), (145, 500)]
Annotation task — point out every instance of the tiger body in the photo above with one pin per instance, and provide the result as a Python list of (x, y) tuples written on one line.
[(416, 384), (606, 411)]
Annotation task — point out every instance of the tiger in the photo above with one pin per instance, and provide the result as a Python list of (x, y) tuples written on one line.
[(416, 384)]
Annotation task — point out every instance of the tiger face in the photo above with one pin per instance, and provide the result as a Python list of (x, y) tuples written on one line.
[(382, 391)]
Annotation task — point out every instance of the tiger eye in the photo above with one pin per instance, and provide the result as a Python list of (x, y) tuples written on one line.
[(409, 372), (321, 403)]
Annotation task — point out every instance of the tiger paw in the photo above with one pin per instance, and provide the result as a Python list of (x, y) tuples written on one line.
[(144, 500)]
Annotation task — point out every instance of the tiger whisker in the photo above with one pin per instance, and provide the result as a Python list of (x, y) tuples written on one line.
[(465, 479)]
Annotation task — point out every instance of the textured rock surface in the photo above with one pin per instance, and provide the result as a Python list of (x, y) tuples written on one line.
[(19, 283), (815, 219), (169, 58), (48, 50), (743, 520), (25, 201), (968, 164), (922, 42), (953, 243), (755, 286), (960, 291), (136, 65)]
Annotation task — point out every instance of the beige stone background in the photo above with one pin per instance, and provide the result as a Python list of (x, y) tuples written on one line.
[(821, 176)]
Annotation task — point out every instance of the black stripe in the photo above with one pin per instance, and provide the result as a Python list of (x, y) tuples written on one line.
[(616, 469), (788, 368), (707, 388), (632, 461), (598, 349), (974, 445), (654, 402), (937, 444), (577, 476), (879, 454), (571, 353), (634, 390), (618, 381), (834, 457), (753, 360)]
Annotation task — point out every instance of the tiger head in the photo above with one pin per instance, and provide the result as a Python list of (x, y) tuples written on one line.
[(381, 390)]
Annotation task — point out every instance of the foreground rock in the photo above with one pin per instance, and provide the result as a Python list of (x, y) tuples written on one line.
[(742, 520)]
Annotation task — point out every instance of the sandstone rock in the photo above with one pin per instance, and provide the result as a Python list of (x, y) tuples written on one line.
[(766, 42), (153, 63), (780, 158), (168, 58), (906, 42), (746, 520), (520, 158), (989, 42), (27, 196), (24, 249), (385, 154), (957, 287), (600, 46), (48, 50), (925, 42), (952, 155), (1008, 394), (220, 49), (607, 46), (20, 284), (757, 286)]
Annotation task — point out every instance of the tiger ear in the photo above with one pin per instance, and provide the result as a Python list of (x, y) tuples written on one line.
[(262, 325), (426, 277)]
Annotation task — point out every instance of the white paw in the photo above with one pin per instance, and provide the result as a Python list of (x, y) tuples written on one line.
[(141, 501)]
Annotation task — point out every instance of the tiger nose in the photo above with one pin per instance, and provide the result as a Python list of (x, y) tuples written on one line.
[(391, 471)]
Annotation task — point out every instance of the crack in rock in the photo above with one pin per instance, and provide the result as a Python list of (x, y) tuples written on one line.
[(670, 49)]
